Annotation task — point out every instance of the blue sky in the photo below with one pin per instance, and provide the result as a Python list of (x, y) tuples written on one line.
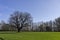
[(41, 10)]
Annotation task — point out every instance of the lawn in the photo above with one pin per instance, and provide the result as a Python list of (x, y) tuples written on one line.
[(30, 35)]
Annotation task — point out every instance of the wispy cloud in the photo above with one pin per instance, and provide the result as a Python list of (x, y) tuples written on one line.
[(3, 7), (5, 12)]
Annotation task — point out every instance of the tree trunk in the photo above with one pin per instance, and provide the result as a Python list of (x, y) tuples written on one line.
[(19, 29)]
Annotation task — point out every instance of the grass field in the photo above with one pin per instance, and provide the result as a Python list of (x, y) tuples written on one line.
[(30, 35)]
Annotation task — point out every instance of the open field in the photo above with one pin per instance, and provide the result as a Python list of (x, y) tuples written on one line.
[(30, 35)]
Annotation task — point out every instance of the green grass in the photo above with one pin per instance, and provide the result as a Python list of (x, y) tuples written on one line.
[(30, 35)]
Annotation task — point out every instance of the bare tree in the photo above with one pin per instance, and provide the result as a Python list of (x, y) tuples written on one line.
[(4, 26), (57, 23), (41, 27), (20, 20)]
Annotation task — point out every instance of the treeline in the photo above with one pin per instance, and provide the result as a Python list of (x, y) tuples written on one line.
[(23, 21)]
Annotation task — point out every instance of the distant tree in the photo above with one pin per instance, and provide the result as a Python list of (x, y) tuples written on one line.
[(50, 23), (4, 26), (41, 27), (46, 26), (54, 26), (20, 20), (57, 22)]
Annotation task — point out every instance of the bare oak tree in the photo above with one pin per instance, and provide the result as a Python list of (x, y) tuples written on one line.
[(20, 20)]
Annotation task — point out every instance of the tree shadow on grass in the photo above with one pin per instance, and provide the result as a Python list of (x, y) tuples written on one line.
[(1, 38)]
